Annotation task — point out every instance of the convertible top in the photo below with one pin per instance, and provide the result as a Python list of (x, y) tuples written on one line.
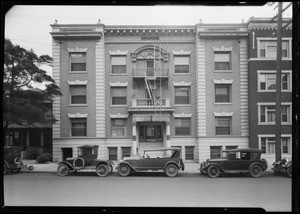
[(244, 150), (163, 149), (87, 146)]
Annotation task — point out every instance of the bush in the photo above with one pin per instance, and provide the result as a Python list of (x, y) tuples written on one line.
[(31, 154), (43, 158)]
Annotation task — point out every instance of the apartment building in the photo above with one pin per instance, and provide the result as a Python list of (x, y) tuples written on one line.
[(128, 88), (262, 87)]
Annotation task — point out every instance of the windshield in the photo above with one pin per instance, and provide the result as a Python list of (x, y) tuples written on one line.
[(85, 151)]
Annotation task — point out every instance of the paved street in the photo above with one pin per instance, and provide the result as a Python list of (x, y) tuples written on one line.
[(272, 193)]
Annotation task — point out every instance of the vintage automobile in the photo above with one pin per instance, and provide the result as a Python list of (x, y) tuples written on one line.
[(235, 161), (283, 166), (12, 159), (165, 159), (87, 159)]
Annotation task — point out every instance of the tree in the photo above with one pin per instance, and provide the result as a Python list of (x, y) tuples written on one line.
[(22, 103)]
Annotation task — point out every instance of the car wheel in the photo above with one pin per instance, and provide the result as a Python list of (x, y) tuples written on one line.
[(4, 169), (78, 163), (110, 168), (124, 170), (62, 170), (289, 171), (213, 171), (171, 170), (102, 170), (256, 171)]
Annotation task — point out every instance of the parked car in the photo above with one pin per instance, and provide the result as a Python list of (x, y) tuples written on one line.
[(87, 159), (236, 161), (12, 159), (164, 159), (283, 166)]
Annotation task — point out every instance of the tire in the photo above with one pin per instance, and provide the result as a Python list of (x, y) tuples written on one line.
[(102, 170), (213, 171), (171, 170), (124, 170), (76, 163), (289, 171), (62, 170), (256, 171), (203, 172), (4, 168)]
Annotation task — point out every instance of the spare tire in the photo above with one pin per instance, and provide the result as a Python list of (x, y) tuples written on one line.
[(78, 163)]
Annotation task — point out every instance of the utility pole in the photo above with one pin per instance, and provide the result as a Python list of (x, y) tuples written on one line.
[(278, 85)]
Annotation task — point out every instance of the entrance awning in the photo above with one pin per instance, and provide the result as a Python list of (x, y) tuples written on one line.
[(158, 117)]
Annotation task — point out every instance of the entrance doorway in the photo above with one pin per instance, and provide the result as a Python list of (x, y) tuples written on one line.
[(150, 132), (67, 153)]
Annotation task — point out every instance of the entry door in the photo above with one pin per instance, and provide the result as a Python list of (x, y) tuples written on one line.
[(150, 68), (150, 133)]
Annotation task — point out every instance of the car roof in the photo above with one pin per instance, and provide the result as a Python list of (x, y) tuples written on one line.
[(244, 150), (162, 149)]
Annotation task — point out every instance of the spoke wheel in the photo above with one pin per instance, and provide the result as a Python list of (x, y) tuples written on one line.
[(256, 171), (124, 170), (102, 170), (213, 171), (289, 171), (4, 169), (171, 170), (62, 170)]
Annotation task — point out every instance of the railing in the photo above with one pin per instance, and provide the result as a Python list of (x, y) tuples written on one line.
[(149, 103), (150, 72)]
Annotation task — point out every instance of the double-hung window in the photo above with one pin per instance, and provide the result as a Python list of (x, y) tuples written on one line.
[(78, 94), (126, 152), (267, 81), (118, 127), (189, 152), (182, 95), (267, 145), (223, 125), (267, 114), (222, 93), (182, 64), (78, 61), (215, 152), (182, 126), (222, 61), (78, 127), (268, 49), (119, 95), (113, 153), (118, 65)]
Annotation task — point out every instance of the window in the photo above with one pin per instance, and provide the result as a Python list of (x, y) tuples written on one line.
[(189, 152), (181, 64), (78, 94), (182, 126), (215, 152), (267, 81), (118, 95), (223, 125), (118, 65), (182, 95), (222, 61), (113, 153), (78, 61), (267, 114), (118, 127), (148, 133), (126, 152), (267, 145), (268, 49), (222, 93), (78, 127)]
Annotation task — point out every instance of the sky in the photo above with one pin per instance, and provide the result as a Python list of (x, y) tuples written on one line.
[(29, 25)]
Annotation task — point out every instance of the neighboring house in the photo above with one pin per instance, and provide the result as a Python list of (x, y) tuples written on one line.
[(128, 88), (262, 87), (35, 135)]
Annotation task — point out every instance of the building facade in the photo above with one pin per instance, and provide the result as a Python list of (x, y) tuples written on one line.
[(128, 88), (262, 93)]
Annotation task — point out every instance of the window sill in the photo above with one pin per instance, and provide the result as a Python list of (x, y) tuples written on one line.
[(183, 105), (117, 106), (267, 124), (77, 72), (181, 74), (77, 105), (270, 91), (223, 103), (125, 74)]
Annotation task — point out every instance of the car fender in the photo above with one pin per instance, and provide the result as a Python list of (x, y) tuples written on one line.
[(7, 165), (66, 163), (103, 162), (213, 164), (256, 163), (126, 163), (172, 162)]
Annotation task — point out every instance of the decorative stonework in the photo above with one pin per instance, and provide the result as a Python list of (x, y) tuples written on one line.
[(181, 52), (118, 84), (77, 115), (77, 49), (117, 53), (149, 52), (118, 115), (182, 83), (223, 81), (78, 82), (223, 114), (222, 49), (182, 115)]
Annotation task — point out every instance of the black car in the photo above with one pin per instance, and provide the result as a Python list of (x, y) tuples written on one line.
[(12, 159), (236, 161), (283, 166), (87, 159)]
